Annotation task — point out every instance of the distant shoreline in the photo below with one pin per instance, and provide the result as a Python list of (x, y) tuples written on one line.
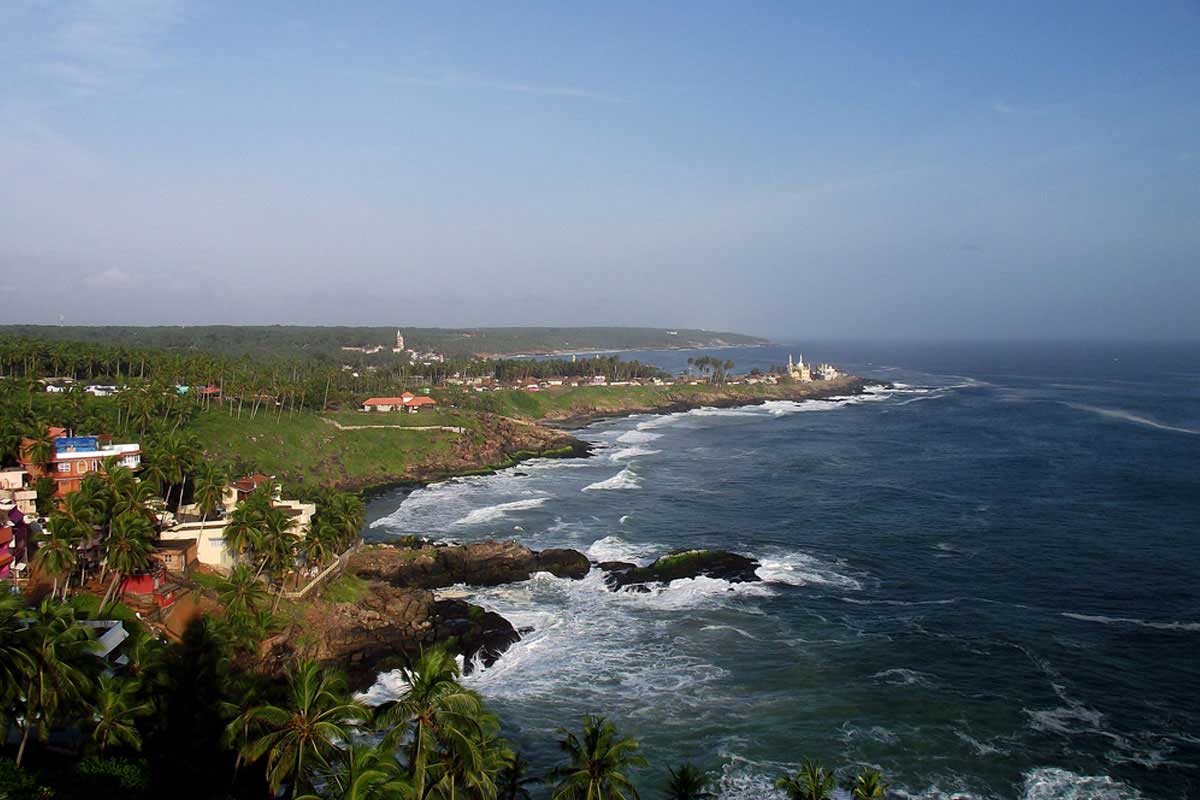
[(615, 350)]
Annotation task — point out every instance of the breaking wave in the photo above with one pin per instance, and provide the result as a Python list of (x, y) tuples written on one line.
[(490, 513), (801, 569), (625, 479), (638, 437), (632, 452), (614, 548)]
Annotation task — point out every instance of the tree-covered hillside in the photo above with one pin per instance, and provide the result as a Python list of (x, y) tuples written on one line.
[(293, 340)]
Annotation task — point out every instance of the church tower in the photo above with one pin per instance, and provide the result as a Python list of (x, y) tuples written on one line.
[(399, 348)]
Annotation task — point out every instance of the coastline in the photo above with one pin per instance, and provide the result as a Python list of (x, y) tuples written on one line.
[(616, 350), (720, 397), (555, 429)]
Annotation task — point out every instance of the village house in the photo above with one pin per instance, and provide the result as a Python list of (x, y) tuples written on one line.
[(406, 402), (76, 456), (205, 538), (14, 487)]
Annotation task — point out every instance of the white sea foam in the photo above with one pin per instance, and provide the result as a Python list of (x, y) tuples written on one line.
[(782, 408), (388, 686), (625, 518), (627, 453), (731, 628), (899, 676), (491, 513), (801, 569), (638, 437), (981, 748), (1141, 623), (581, 645), (711, 411), (625, 479), (1050, 783), (614, 548), (1128, 416), (687, 593)]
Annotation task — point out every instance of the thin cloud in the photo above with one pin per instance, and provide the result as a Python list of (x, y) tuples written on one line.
[(1001, 107), (460, 82), (112, 277), (107, 42)]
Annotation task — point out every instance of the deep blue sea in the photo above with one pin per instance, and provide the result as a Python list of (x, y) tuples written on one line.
[(985, 581)]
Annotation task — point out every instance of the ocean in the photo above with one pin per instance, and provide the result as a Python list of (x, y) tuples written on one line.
[(985, 581)]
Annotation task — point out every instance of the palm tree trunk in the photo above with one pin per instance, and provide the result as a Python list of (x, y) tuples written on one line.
[(24, 741), (111, 590)]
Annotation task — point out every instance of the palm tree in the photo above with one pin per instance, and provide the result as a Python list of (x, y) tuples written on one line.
[(438, 709), (209, 487), (514, 778), (868, 785), (15, 661), (56, 682), (688, 783), (241, 594), (127, 549), (812, 782), (596, 764), (114, 707), (306, 734), (364, 773), (41, 452), (56, 554), (242, 531), (469, 764), (320, 545), (277, 543)]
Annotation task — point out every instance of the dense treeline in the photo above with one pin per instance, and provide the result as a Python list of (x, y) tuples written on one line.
[(611, 367), (184, 720), (290, 341), (151, 381)]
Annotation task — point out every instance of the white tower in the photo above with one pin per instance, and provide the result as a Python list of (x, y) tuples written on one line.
[(399, 348)]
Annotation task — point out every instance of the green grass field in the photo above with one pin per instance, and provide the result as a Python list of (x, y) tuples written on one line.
[(456, 419), (306, 449)]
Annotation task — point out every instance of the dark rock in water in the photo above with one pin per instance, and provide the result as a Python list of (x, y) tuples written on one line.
[(616, 566), (682, 564), (564, 563), (386, 629), (478, 634), (483, 564)]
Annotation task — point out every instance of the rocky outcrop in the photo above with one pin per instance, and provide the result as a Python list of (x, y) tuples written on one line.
[(681, 564), (386, 628), (483, 564)]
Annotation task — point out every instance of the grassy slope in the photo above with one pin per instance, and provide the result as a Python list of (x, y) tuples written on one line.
[(305, 449), (447, 418)]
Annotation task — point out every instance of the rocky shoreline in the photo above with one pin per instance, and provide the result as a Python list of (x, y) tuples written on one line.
[(509, 441), (716, 398), (400, 612)]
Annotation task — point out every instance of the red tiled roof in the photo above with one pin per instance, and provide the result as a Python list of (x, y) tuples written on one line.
[(384, 401), (420, 401)]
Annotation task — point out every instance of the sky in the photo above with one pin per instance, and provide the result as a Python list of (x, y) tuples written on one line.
[(877, 169)]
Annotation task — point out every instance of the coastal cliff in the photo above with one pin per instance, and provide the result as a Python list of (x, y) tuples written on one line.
[(398, 611)]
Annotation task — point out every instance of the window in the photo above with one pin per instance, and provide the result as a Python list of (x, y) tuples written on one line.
[(64, 466)]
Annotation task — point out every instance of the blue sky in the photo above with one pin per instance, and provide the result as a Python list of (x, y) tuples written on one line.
[(957, 170)]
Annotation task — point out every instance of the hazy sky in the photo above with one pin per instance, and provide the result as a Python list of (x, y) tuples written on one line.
[(840, 169)]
